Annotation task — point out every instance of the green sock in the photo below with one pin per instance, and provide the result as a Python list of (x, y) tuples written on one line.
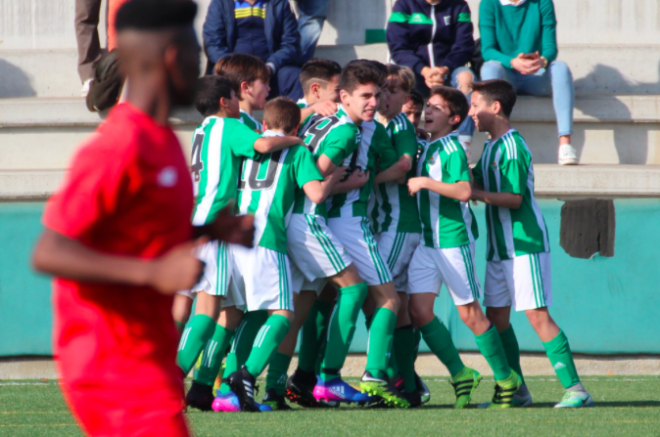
[(512, 350), (266, 344), (561, 359), (381, 335), (278, 370), (404, 351), (180, 326), (311, 334), (342, 327), (491, 348), (213, 354), (438, 339), (242, 345), (418, 339), (392, 370), (193, 340)]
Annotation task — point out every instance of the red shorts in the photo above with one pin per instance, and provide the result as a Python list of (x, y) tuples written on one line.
[(123, 412)]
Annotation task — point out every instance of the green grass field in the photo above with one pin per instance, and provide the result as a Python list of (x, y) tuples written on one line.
[(625, 406)]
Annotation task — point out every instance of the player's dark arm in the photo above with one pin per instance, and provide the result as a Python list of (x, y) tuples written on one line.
[(504, 200), (318, 191), (273, 144), (460, 190), (356, 180), (396, 172), (228, 227), (64, 257)]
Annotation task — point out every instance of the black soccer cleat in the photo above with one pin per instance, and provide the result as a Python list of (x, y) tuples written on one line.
[(242, 383), (200, 396), (300, 390), (275, 400)]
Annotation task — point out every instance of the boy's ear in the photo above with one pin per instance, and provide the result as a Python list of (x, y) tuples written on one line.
[(265, 126), (314, 88), (454, 120), (497, 107), (294, 131), (245, 86)]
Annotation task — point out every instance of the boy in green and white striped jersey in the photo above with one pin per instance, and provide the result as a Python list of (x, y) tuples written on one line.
[(446, 252), (320, 82), (518, 269), (267, 189), (250, 77), (219, 144)]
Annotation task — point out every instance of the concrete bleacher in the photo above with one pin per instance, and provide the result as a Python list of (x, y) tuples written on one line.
[(612, 47)]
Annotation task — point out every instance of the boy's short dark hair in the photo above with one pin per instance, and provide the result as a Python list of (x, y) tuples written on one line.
[(361, 72), (155, 14), (318, 69), (240, 67), (497, 90), (416, 97), (282, 114), (404, 75), (456, 101), (210, 89)]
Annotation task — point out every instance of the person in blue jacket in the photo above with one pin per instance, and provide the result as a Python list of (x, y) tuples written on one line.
[(266, 29), (435, 39)]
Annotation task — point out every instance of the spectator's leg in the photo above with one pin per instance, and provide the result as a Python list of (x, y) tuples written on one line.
[(87, 37), (288, 82), (462, 78), (311, 16), (493, 70)]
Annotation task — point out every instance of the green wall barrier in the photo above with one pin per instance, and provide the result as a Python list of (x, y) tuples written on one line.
[(604, 305)]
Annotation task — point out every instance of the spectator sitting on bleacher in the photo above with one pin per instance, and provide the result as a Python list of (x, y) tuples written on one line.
[(266, 29), (519, 44), (434, 39)]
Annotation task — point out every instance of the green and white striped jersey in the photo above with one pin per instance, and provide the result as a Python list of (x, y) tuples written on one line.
[(375, 153), (267, 190), (394, 208), (250, 121), (446, 222), (309, 120), (219, 144), (506, 166), (338, 138)]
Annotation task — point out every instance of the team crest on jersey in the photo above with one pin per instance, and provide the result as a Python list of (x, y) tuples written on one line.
[(493, 164), (447, 20)]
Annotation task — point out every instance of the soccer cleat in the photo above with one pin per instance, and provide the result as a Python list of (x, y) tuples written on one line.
[(337, 391), (575, 399), (229, 403), (567, 155), (522, 398), (275, 400), (300, 390), (242, 383), (200, 396), (384, 389), (504, 391), (465, 383), (422, 389)]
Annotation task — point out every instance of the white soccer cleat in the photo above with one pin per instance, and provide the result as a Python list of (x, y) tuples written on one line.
[(567, 155), (575, 399)]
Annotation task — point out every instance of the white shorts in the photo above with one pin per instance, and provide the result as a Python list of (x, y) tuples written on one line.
[(431, 267), (356, 236), (218, 269), (397, 249), (523, 282), (313, 248), (299, 282), (263, 276)]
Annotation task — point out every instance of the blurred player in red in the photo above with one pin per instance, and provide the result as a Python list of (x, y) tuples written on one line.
[(118, 238)]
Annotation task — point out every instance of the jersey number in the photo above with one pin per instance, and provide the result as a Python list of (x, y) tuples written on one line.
[(196, 159), (318, 130), (268, 180)]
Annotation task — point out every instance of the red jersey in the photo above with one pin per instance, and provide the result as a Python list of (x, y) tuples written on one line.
[(128, 192)]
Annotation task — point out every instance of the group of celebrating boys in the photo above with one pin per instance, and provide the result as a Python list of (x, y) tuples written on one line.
[(337, 203)]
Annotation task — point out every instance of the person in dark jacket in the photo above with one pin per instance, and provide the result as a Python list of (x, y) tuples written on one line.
[(434, 39), (266, 29)]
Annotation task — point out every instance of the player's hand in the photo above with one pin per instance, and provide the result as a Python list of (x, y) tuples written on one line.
[(338, 174), (357, 179), (232, 228), (178, 269), (415, 185), (325, 108)]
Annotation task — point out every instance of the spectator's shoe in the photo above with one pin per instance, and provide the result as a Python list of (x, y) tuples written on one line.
[(465, 383), (200, 396), (85, 88), (522, 398), (242, 383), (504, 391), (300, 390), (567, 155), (275, 400), (575, 399), (337, 391), (381, 387)]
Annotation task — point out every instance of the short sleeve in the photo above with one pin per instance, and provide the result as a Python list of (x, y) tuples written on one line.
[(456, 167), (404, 137), (387, 154), (241, 139), (340, 144), (305, 169), (89, 193)]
